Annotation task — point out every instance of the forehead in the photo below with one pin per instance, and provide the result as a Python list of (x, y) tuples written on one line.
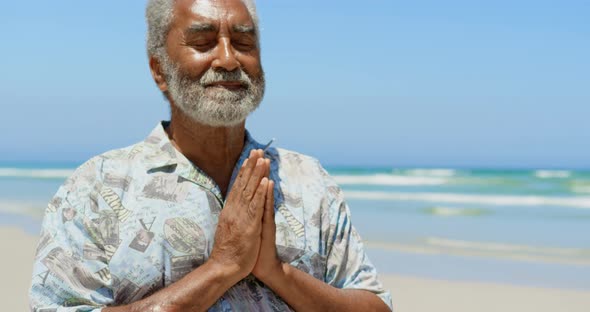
[(214, 11)]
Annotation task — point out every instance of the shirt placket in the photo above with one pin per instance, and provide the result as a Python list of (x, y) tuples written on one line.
[(199, 177)]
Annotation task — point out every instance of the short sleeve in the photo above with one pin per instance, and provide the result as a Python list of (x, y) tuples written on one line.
[(348, 265), (68, 273)]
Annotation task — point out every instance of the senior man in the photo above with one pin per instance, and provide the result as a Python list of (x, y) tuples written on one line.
[(197, 216)]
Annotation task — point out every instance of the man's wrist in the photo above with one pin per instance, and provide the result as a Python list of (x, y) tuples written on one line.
[(275, 275), (225, 274), (218, 278)]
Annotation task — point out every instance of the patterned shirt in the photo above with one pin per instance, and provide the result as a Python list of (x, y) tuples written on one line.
[(132, 221)]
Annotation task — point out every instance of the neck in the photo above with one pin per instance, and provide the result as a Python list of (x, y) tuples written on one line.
[(215, 150)]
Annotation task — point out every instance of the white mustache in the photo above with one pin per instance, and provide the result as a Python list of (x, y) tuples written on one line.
[(211, 77)]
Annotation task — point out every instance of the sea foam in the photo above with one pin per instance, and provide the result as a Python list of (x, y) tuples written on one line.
[(496, 200), (388, 179), (35, 173), (431, 172), (552, 174)]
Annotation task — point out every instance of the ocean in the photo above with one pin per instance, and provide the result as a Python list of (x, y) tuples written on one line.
[(523, 227)]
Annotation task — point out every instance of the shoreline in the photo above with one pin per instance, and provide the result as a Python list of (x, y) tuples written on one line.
[(409, 293), (31, 223)]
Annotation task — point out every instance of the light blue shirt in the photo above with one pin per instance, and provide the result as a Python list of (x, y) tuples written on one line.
[(134, 220)]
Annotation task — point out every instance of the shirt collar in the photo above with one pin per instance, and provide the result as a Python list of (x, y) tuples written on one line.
[(160, 151), (162, 155)]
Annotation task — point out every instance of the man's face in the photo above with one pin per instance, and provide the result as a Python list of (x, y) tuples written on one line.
[(213, 70)]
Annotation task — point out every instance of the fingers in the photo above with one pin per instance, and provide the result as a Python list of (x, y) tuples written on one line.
[(246, 171), (259, 172), (256, 206), (269, 207), (267, 168)]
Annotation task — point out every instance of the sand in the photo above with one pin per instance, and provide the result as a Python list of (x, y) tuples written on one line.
[(410, 294), (414, 294), (18, 250)]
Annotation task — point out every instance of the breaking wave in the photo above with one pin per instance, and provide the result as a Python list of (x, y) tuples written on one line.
[(496, 200), (35, 173), (388, 179), (431, 172), (552, 174)]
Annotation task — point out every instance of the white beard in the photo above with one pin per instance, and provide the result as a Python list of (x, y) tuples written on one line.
[(214, 106)]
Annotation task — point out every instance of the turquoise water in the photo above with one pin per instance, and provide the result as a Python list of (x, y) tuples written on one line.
[(529, 227)]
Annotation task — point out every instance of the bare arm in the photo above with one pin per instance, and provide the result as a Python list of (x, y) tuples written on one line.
[(197, 291), (303, 292)]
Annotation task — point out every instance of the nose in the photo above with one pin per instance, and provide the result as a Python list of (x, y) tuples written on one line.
[(225, 58)]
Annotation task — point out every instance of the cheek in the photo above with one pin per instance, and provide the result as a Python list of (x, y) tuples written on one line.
[(251, 64), (195, 65)]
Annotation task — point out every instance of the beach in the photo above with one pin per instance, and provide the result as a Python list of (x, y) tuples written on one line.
[(410, 294), (420, 295), (16, 268)]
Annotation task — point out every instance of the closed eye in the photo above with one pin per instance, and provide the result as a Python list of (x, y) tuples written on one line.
[(202, 45), (244, 45)]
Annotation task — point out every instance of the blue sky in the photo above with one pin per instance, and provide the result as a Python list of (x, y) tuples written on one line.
[(381, 83)]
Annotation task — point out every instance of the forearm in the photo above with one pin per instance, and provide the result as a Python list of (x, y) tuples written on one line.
[(303, 292), (197, 291)]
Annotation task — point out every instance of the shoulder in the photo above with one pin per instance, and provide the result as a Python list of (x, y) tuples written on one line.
[(306, 173), (298, 165), (115, 162)]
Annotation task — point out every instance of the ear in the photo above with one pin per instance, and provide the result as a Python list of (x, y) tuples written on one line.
[(157, 74)]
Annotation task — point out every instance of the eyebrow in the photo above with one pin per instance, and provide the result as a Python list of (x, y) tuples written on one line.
[(244, 29), (207, 27), (201, 27)]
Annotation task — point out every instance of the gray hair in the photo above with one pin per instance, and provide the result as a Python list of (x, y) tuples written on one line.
[(159, 14)]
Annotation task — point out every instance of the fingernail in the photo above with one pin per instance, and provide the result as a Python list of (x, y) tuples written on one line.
[(264, 181), (259, 162), (245, 162)]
